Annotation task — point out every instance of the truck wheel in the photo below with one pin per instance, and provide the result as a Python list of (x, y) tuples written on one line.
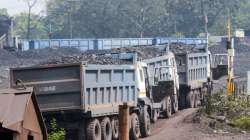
[(168, 107), (135, 127), (196, 101), (94, 130), (145, 124), (155, 116), (115, 128), (106, 129), (175, 104), (202, 93), (190, 99)]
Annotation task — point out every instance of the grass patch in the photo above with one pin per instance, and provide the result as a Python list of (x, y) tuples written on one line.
[(242, 122)]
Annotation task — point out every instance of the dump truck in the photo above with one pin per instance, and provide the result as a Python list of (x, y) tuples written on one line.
[(162, 83), (193, 65), (84, 98), (197, 68)]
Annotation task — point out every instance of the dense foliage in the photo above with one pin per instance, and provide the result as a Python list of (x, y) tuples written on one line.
[(235, 109), (56, 133), (135, 18)]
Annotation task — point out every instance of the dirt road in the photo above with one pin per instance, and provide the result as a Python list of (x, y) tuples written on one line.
[(181, 127)]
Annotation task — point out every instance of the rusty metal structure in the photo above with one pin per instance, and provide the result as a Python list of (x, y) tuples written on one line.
[(20, 117)]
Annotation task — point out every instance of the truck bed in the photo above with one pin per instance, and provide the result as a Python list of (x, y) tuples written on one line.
[(93, 89)]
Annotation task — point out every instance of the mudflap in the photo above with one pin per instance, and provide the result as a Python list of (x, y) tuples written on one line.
[(183, 92)]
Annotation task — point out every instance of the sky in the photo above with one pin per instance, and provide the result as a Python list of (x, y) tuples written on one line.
[(18, 6)]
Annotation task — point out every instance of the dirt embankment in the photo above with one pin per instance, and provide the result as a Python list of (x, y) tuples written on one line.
[(190, 125)]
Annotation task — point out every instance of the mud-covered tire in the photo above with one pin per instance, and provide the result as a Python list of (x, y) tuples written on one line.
[(115, 128), (175, 103), (196, 100), (106, 129), (203, 100), (145, 124), (134, 132), (190, 99), (168, 107), (155, 116), (94, 130)]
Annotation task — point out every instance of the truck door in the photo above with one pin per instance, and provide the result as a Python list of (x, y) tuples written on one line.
[(147, 82), (141, 83)]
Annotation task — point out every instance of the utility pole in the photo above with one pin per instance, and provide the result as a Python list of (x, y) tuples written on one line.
[(124, 122), (50, 31), (206, 30), (70, 22), (230, 52)]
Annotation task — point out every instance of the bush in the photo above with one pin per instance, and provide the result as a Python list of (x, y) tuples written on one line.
[(56, 132), (235, 109), (242, 122)]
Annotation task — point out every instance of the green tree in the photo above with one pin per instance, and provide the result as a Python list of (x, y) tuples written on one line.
[(37, 26), (141, 18), (4, 12), (243, 16)]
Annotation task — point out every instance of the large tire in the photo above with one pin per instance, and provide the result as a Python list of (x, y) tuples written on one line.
[(202, 95), (190, 99), (134, 133), (94, 130), (196, 100), (155, 116), (168, 107), (175, 103), (145, 124), (106, 129), (115, 128)]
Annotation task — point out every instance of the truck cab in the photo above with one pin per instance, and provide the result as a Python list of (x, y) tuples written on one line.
[(159, 93)]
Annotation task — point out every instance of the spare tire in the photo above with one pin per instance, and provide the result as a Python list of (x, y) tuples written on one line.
[(94, 130)]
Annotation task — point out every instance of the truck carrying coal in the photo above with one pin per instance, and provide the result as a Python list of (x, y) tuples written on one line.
[(83, 97), (194, 65), (79, 91)]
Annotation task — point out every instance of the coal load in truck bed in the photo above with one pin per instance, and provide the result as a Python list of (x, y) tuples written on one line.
[(102, 56), (143, 52), (146, 52), (180, 48), (88, 58)]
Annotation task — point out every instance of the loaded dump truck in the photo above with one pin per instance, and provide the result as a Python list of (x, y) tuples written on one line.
[(84, 98), (194, 65), (197, 68)]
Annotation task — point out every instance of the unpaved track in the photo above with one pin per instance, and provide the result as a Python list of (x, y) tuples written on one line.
[(181, 127)]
